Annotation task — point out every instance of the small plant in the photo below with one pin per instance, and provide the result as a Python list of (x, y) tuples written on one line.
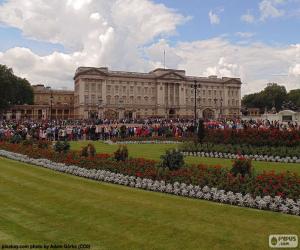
[(88, 151), (43, 144), (241, 166), (61, 147), (121, 154), (16, 139), (123, 131), (27, 142), (172, 160), (200, 131)]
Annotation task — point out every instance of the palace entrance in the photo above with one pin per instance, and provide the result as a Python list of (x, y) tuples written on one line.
[(172, 113), (111, 114), (208, 114)]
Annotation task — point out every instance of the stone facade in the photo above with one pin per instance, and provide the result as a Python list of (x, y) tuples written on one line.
[(62, 104), (100, 92)]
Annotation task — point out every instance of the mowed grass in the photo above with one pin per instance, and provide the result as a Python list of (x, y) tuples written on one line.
[(43, 206), (154, 151)]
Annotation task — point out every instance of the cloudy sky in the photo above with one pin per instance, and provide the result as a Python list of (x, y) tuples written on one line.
[(257, 40)]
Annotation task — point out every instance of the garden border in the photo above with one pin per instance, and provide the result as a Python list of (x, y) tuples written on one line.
[(288, 206), (221, 155)]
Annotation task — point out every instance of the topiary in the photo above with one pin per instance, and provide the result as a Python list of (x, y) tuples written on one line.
[(241, 166), (61, 146), (172, 160), (88, 151), (121, 154), (16, 139)]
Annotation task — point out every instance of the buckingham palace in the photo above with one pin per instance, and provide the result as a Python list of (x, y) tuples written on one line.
[(168, 93)]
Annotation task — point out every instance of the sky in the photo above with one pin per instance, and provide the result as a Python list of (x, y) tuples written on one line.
[(256, 40)]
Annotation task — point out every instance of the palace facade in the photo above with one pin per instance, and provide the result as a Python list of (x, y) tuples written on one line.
[(168, 93), (60, 102), (165, 93)]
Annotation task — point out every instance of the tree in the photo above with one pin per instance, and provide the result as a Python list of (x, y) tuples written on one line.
[(294, 97), (14, 90), (272, 95), (200, 131)]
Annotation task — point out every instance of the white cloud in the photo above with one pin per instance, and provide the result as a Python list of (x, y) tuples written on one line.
[(213, 18), (295, 70), (270, 9), (256, 64), (132, 35), (245, 34), (98, 33), (248, 18)]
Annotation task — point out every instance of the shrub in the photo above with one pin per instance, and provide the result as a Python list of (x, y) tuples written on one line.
[(88, 151), (200, 131), (61, 147), (16, 139), (123, 131), (121, 154), (172, 160), (43, 144), (29, 142), (241, 166)]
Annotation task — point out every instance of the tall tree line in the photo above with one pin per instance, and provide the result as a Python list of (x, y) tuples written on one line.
[(273, 95), (13, 89)]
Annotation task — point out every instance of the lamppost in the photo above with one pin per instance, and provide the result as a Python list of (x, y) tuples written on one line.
[(120, 107), (215, 101), (51, 101), (221, 111), (99, 106), (195, 86)]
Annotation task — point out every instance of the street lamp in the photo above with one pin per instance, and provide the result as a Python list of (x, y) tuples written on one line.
[(99, 106), (221, 102), (195, 86), (51, 100)]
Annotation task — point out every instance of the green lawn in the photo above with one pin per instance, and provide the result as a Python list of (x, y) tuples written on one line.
[(154, 151), (43, 206)]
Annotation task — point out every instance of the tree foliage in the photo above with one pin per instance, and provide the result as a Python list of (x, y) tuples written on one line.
[(294, 96), (14, 90), (272, 95)]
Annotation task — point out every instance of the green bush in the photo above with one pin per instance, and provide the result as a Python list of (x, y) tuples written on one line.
[(200, 131), (172, 160), (43, 144), (121, 154), (16, 139), (281, 151), (61, 146), (29, 142), (241, 166), (88, 151)]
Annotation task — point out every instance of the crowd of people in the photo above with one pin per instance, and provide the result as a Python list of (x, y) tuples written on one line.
[(108, 129)]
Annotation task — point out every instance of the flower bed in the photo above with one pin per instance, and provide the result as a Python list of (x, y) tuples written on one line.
[(216, 176), (257, 137), (148, 138), (141, 142), (272, 154), (276, 203), (235, 156)]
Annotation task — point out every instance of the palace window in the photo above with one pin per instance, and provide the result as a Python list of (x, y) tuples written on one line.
[(93, 99), (86, 87), (108, 88), (108, 99), (93, 87), (86, 99), (99, 87)]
